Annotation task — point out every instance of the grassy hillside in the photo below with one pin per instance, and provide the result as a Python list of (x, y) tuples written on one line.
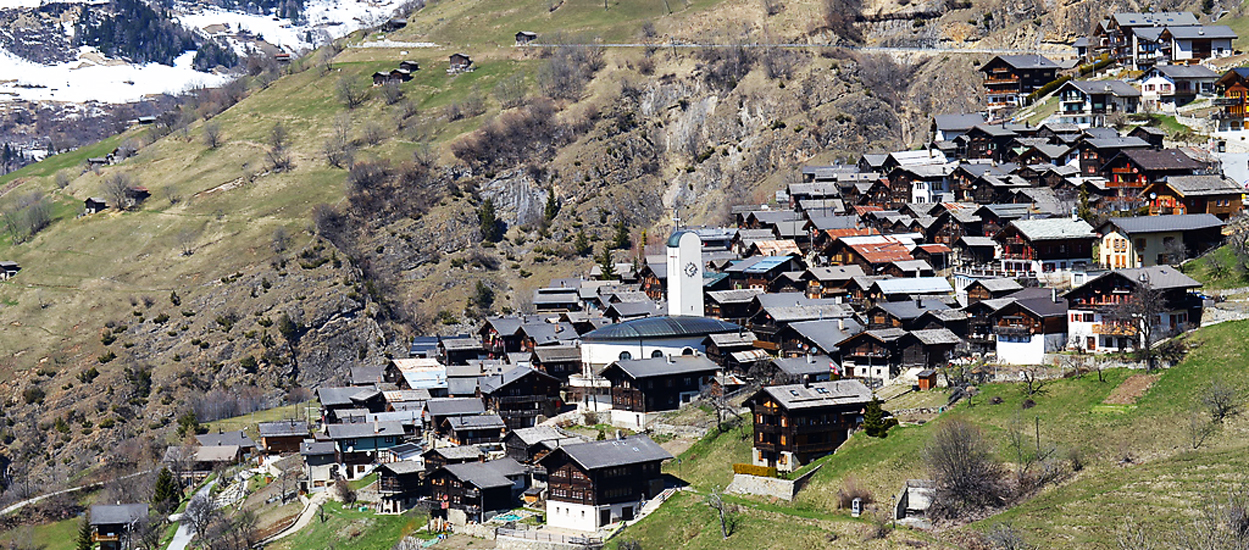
[(1159, 484)]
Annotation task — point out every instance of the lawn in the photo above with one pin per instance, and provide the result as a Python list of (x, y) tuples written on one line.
[(1164, 476), (248, 422), (1225, 276), (60, 535), (350, 529)]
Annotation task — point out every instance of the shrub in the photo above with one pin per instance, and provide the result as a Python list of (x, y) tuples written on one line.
[(850, 490)]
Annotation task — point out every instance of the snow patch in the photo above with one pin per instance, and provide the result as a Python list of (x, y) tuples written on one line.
[(93, 78)]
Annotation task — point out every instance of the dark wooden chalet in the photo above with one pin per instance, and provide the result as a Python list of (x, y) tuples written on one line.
[(657, 384), (797, 423), (610, 479), (1212, 194), (558, 361), (872, 354), (989, 289), (112, 524), (1129, 172), (733, 306), (478, 489), (521, 395), (1093, 152), (529, 445), (474, 430), (400, 485), (442, 456), (282, 436)]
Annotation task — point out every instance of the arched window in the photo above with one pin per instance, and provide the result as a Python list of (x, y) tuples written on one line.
[(625, 356), (687, 351), (657, 353)]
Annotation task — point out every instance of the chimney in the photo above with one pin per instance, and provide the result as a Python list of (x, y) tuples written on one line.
[(841, 323), (810, 358), (619, 435), (919, 303), (671, 359), (377, 425), (1054, 294)]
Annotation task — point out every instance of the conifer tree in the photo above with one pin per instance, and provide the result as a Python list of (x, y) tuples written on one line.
[(874, 419)]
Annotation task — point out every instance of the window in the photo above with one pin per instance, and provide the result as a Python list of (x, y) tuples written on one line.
[(656, 354), (625, 356)]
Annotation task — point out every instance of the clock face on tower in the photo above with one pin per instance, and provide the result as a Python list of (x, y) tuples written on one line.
[(691, 269)]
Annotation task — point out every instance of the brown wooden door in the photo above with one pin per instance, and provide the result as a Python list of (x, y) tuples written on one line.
[(1091, 343)]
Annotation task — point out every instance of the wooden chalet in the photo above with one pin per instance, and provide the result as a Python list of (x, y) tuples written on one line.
[(1053, 244), (797, 423), (399, 485), (523, 396), (1206, 194), (733, 306), (442, 456), (282, 436), (478, 490), (1131, 171), (558, 361), (112, 524), (991, 288), (607, 480), (657, 384), (872, 354), (474, 430)]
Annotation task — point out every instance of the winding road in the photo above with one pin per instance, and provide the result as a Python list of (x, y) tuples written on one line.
[(182, 537)]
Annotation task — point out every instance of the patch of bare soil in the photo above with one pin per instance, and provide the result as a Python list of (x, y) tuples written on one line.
[(1131, 389)]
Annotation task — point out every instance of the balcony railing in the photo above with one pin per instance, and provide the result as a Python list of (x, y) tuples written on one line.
[(1012, 330), (1224, 101)]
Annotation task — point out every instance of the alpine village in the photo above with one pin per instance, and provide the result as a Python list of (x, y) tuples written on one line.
[(623, 277)]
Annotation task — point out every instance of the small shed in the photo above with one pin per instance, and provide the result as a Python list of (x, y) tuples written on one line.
[(401, 75), (927, 379), (8, 270), (146, 120), (394, 24), (380, 78), (96, 162), (410, 66), (525, 37), (95, 205), (460, 63), (282, 57)]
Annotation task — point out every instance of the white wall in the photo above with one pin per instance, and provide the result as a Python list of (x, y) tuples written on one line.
[(583, 517), (1021, 353), (600, 354)]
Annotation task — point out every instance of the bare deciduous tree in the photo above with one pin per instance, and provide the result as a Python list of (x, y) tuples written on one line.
[(186, 241), (726, 512), (118, 189), (511, 91), (212, 135), (1220, 400), (967, 475), (1140, 313), (391, 92), (200, 513), (1005, 536), (352, 92)]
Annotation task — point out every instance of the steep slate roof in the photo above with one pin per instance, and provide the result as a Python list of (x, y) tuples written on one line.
[(914, 285), (364, 429), (114, 514), (1196, 186), (537, 434), (971, 240), (664, 366), (1161, 277), (1166, 159), (1159, 224), (1044, 306), (736, 296), (1206, 31), (311, 447), (404, 467), (819, 394), (836, 272), (808, 364), (1185, 71), (908, 309), (1156, 19), (956, 122), (597, 455), (330, 397), (283, 428), (1053, 228), (486, 475), (226, 438), (935, 336), (660, 327), (458, 452), (744, 338), (1117, 142), (547, 354), (491, 384), (827, 334), (1117, 88), (454, 406), (479, 422), (998, 284)]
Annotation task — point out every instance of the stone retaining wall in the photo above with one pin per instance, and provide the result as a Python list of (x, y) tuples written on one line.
[(785, 489)]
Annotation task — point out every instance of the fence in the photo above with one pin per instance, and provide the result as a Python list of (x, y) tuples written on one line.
[(547, 536)]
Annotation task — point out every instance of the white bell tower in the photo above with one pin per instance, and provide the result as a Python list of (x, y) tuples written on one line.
[(685, 274)]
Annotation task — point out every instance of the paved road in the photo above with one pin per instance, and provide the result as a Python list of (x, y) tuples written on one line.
[(305, 517), (865, 49), (182, 537), (22, 504)]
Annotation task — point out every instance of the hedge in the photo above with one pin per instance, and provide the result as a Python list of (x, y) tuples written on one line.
[(751, 469), (1046, 89)]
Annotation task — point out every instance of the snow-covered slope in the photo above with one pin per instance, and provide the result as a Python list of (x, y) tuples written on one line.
[(94, 77)]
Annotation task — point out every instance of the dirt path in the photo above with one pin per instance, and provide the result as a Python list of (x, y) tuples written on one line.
[(1131, 389)]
